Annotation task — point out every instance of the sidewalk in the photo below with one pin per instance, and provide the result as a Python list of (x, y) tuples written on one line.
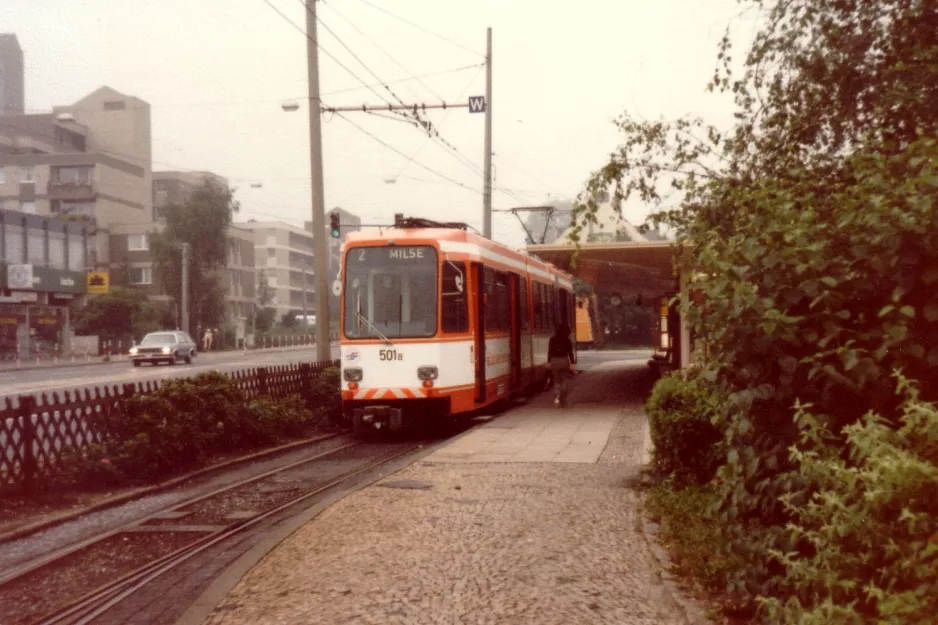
[(528, 519)]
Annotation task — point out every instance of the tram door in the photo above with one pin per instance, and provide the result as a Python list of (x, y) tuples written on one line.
[(515, 328), (478, 312)]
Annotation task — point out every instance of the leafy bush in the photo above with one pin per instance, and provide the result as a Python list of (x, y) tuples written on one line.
[(869, 531), (680, 414), (188, 420)]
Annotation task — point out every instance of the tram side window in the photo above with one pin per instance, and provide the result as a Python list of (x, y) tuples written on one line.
[(524, 308), (502, 302), (455, 303), (536, 296), (551, 308), (491, 307)]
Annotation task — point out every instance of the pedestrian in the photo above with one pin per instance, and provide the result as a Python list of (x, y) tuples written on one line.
[(207, 340), (562, 359)]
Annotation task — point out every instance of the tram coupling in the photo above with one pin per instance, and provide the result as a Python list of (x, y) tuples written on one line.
[(377, 418)]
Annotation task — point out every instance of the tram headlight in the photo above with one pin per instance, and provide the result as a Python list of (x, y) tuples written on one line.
[(428, 373), (352, 374)]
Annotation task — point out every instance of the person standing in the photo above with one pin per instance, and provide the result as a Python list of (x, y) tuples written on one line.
[(207, 340), (562, 358)]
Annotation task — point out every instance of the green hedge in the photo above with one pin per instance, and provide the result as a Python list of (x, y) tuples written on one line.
[(687, 446), (189, 420)]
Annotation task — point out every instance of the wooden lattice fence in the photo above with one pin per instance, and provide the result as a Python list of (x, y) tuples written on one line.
[(36, 430)]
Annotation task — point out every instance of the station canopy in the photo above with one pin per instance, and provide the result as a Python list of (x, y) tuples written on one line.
[(621, 267), (615, 257)]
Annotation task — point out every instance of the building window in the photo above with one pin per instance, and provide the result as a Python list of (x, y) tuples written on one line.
[(36, 246), (74, 208), (81, 174), (28, 207), (138, 243), (161, 186), (57, 250), (141, 275), (14, 244), (115, 105), (76, 252), (28, 173), (272, 281), (271, 256), (271, 240)]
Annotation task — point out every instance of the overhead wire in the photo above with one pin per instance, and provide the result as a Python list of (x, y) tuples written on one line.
[(326, 52), (385, 52), (432, 131), (426, 30), (417, 163), (303, 32)]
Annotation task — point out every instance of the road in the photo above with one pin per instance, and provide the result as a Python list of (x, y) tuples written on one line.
[(31, 381)]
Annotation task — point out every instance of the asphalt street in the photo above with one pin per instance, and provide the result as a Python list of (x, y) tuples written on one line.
[(31, 381)]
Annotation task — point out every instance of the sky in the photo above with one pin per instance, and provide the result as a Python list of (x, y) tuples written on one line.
[(218, 72)]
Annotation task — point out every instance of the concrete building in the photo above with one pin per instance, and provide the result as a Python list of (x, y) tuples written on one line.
[(89, 160), (285, 254), (176, 187), (43, 270), (12, 76), (350, 223)]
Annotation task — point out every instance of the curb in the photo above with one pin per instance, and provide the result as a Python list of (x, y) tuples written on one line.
[(693, 614), (156, 488)]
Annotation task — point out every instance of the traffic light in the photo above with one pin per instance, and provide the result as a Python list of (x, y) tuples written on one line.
[(334, 228)]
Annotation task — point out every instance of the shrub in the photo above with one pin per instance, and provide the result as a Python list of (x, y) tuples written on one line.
[(868, 533), (680, 412), (189, 419)]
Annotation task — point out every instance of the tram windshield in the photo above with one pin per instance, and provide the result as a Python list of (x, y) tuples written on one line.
[(390, 292)]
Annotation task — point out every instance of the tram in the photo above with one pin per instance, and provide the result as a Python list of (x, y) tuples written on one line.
[(585, 324), (437, 322)]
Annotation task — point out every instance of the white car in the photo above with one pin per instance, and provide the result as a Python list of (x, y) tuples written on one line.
[(171, 347)]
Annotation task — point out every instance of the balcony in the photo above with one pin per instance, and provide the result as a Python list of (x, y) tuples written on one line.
[(73, 191)]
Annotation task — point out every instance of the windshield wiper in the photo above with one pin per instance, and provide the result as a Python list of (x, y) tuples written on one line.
[(360, 317)]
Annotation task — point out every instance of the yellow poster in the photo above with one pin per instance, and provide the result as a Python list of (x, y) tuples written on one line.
[(98, 282)]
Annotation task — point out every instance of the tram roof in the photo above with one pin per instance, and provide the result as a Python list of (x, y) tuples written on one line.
[(402, 235)]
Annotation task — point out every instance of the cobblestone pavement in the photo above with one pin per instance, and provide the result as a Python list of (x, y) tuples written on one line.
[(478, 542)]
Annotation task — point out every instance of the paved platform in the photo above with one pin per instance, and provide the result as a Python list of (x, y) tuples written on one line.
[(576, 435), (528, 519)]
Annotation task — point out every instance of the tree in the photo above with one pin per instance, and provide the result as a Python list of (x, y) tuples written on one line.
[(202, 222), (264, 312), (122, 314), (809, 227)]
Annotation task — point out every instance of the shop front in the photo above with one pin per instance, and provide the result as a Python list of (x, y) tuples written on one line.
[(34, 310)]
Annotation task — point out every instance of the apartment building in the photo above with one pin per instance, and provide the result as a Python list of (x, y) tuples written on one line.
[(12, 76), (284, 253), (89, 160)]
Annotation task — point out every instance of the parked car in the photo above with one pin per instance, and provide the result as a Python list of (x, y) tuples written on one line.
[(171, 347)]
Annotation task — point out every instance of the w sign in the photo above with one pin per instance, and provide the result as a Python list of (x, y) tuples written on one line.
[(477, 104)]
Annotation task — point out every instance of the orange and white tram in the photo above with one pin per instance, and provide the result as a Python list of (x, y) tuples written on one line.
[(437, 321)]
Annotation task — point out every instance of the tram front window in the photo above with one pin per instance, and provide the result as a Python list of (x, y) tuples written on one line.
[(390, 292)]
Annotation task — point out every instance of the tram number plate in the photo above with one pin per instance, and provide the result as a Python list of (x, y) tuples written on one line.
[(390, 354)]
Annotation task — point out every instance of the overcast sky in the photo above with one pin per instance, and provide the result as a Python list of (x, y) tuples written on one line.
[(216, 73)]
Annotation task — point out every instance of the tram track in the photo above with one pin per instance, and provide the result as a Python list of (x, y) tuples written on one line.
[(173, 538)]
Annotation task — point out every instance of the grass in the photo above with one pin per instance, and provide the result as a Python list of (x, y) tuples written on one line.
[(694, 541)]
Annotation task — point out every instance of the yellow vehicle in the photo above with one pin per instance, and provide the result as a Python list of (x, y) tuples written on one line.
[(584, 321)]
